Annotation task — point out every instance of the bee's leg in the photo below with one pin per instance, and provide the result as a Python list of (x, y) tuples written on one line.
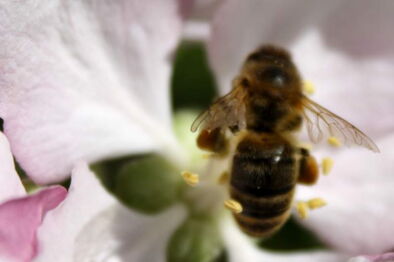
[(215, 142), (212, 140), (223, 178), (308, 174), (309, 169)]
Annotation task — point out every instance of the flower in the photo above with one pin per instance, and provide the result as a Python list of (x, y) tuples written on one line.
[(66, 73), (71, 70), (53, 225), (345, 56), (21, 215)]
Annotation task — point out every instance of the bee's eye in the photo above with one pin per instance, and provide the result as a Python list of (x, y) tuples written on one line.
[(275, 75)]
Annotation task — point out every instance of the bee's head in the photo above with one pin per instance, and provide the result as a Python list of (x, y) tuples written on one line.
[(269, 71)]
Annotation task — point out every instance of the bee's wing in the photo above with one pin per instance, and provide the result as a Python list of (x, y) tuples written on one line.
[(322, 123), (226, 111)]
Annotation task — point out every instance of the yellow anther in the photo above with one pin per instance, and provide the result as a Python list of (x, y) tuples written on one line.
[(307, 146), (332, 140), (316, 203), (233, 205), (206, 156), (190, 178), (302, 209), (223, 178), (308, 87), (327, 165)]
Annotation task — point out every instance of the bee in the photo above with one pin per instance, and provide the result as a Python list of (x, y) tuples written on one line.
[(264, 109)]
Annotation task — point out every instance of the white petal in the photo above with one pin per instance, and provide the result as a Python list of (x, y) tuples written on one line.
[(387, 257), (118, 234), (241, 248), (345, 47), (85, 80), (196, 31), (10, 183), (359, 217), (359, 259), (91, 225), (204, 9)]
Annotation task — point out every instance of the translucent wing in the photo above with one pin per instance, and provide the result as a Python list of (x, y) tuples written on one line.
[(322, 123), (226, 111)]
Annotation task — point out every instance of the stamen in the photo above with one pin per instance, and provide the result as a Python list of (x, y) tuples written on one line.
[(305, 145), (223, 178), (302, 209), (308, 87), (332, 140), (316, 203), (190, 178), (327, 165), (207, 156), (233, 206)]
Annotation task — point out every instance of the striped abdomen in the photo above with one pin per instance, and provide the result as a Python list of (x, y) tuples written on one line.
[(263, 180)]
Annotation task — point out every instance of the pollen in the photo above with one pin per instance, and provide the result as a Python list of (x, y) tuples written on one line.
[(308, 87), (233, 206), (316, 203), (302, 209), (207, 156), (306, 145), (327, 164), (223, 178), (190, 178), (335, 142)]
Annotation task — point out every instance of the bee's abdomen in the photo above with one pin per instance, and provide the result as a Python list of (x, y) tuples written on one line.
[(263, 179), (262, 216)]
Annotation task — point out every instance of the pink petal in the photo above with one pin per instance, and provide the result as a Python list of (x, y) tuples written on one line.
[(19, 220), (10, 183), (388, 257), (241, 248), (94, 226), (359, 217), (86, 199), (85, 80), (345, 47)]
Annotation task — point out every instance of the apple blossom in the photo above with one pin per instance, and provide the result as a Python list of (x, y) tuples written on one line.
[(346, 49), (49, 225), (21, 215), (88, 81), (93, 225), (79, 69)]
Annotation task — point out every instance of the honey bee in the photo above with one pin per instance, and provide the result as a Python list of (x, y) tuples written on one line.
[(263, 110)]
